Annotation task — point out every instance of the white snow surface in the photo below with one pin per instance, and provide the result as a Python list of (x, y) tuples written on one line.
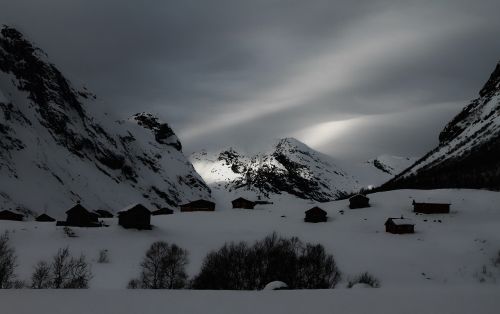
[(454, 300), (377, 171), (440, 254), (445, 267)]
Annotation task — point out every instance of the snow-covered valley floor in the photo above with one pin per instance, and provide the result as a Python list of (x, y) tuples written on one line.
[(445, 267)]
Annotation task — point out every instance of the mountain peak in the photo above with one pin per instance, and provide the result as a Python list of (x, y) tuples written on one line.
[(161, 130)]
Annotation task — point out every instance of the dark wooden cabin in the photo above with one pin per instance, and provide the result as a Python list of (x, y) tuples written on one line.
[(163, 211), (315, 214), (8, 215), (399, 225), (136, 216), (199, 205), (359, 201), (79, 216), (431, 208), (241, 202), (44, 218), (104, 213)]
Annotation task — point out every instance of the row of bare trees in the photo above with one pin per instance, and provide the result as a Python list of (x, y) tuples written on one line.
[(239, 266), (235, 266), (62, 272)]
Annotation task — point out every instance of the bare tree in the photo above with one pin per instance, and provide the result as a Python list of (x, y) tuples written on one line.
[(60, 268), (7, 263), (42, 276), (163, 267), (65, 272)]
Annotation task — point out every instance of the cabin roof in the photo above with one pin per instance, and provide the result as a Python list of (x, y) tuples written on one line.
[(44, 216), (401, 221), (77, 208), (6, 211), (242, 199), (134, 208), (200, 202), (430, 203), (315, 210), (357, 196)]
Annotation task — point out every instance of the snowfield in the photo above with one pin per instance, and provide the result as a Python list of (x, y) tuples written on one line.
[(448, 263)]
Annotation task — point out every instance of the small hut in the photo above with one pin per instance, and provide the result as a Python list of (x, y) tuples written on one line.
[(163, 211), (136, 216), (44, 218), (431, 208), (241, 202), (315, 214), (399, 225), (104, 213), (199, 205), (79, 216), (359, 201), (8, 215)]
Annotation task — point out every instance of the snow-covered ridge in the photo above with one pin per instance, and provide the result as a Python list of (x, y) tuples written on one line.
[(467, 155), (53, 152), (391, 165), (289, 167)]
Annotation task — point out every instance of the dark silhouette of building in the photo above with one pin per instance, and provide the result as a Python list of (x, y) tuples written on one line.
[(8, 215), (104, 213), (315, 214), (399, 225), (79, 216), (199, 205), (136, 216), (359, 201), (241, 202), (163, 211), (44, 218), (431, 208)]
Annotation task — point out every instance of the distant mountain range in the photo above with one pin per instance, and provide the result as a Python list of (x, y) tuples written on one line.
[(57, 147), (289, 167), (468, 154)]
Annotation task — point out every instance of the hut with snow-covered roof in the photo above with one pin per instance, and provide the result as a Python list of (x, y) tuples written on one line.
[(399, 225), (199, 205), (44, 218), (79, 216), (431, 208), (359, 201), (315, 214), (135, 216), (241, 202), (163, 211), (9, 215)]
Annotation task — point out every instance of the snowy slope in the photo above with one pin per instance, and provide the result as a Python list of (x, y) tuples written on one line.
[(459, 300), (57, 148), (376, 171), (467, 155), (289, 167), (458, 251)]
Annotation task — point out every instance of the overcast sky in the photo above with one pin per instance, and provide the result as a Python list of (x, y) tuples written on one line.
[(352, 80)]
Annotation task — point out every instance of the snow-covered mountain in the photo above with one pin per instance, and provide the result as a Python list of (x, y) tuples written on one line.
[(56, 148), (391, 165), (376, 171), (469, 148), (289, 167)]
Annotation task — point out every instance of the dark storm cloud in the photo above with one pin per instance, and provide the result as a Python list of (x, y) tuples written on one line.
[(349, 79)]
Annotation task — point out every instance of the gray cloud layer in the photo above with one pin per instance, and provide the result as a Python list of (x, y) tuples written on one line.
[(349, 79)]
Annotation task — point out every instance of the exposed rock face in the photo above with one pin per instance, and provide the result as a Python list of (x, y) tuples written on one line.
[(53, 151), (469, 148), (290, 167)]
